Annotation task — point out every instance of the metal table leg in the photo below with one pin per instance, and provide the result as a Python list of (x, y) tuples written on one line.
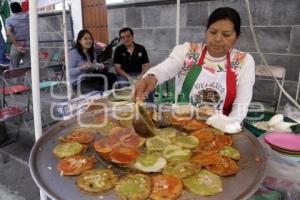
[(3, 133), (298, 87), (5, 139)]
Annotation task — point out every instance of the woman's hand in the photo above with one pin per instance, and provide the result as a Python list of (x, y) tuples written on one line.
[(143, 87), (86, 66)]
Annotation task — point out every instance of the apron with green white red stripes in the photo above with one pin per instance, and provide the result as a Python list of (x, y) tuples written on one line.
[(202, 87)]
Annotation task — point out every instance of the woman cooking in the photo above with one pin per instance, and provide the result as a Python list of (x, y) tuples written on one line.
[(209, 73)]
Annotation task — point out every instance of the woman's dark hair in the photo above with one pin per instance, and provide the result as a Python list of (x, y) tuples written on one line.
[(226, 13), (124, 30), (15, 7), (79, 47)]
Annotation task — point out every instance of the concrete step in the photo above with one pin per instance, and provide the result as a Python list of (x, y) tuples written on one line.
[(16, 182)]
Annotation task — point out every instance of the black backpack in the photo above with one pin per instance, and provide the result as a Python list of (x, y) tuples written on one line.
[(105, 54)]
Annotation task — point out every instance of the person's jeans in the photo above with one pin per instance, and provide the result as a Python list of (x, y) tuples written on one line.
[(3, 59), (123, 82), (15, 57), (89, 84)]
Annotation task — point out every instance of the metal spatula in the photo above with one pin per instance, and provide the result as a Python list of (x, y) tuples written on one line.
[(142, 123)]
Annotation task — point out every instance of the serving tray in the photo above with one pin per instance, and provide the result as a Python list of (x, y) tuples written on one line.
[(43, 166)]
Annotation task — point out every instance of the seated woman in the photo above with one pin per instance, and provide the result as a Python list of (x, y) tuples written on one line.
[(210, 73), (84, 71)]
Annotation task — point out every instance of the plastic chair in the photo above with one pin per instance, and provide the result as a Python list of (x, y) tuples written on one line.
[(58, 70), (262, 74), (52, 76), (57, 57), (44, 57), (18, 77), (2, 69), (8, 112), (52, 56), (298, 87)]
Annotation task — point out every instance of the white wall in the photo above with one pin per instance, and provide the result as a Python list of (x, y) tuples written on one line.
[(76, 14), (114, 1)]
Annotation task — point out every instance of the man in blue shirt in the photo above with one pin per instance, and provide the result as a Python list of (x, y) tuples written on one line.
[(17, 29)]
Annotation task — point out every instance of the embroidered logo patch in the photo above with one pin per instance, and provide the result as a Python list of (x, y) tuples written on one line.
[(207, 94)]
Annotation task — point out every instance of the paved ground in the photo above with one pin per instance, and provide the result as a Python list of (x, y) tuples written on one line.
[(15, 179)]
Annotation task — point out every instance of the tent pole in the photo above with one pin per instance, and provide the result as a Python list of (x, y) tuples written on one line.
[(177, 34), (69, 93), (177, 21), (33, 19)]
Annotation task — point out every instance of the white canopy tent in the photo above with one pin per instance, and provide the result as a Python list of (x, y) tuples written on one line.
[(43, 3), (34, 4), (33, 17)]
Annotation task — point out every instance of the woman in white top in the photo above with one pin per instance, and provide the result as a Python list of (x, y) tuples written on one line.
[(212, 72)]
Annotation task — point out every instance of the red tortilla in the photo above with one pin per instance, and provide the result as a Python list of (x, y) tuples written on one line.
[(133, 140), (124, 155), (105, 146)]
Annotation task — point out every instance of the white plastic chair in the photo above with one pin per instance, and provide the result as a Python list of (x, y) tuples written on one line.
[(263, 74), (298, 87)]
